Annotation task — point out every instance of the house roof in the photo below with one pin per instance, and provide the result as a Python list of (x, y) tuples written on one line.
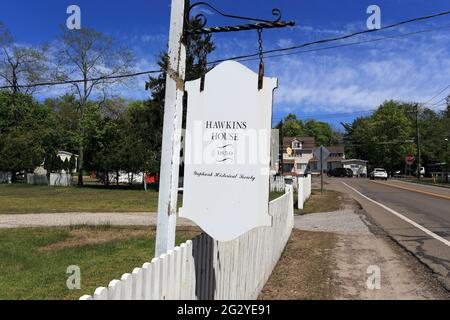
[(355, 160), (309, 143), (330, 159), (67, 153), (336, 149)]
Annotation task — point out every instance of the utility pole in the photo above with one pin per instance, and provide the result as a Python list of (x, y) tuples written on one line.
[(446, 160), (171, 144), (418, 142)]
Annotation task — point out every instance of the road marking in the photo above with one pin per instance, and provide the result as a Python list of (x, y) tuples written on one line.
[(414, 190), (399, 215)]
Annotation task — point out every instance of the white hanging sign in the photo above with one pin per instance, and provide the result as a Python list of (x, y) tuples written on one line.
[(227, 151)]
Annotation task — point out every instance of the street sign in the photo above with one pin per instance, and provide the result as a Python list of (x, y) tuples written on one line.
[(289, 151), (409, 159), (322, 154), (227, 151)]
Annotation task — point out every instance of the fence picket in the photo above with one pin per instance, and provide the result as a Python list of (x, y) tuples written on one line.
[(147, 281), (101, 294), (137, 290), (114, 290), (127, 287)]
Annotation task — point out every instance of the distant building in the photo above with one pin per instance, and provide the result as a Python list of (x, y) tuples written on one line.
[(64, 155), (337, 155), (297, 153), (359, 167)]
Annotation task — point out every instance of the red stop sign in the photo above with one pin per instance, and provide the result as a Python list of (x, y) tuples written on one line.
[(409, 159)]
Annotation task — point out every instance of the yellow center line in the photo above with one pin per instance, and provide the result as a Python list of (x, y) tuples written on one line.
[(414, 190)]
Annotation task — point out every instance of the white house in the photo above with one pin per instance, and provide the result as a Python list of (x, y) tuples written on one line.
[(297, 153)]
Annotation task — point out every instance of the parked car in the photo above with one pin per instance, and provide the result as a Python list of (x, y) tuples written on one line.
[(379, 173), (350, 173), (340, 173)]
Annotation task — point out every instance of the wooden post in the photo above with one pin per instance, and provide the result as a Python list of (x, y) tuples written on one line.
[(173, 112)]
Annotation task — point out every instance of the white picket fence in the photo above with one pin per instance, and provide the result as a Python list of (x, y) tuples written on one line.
[(278, 184), (205, 269), (304, 190)]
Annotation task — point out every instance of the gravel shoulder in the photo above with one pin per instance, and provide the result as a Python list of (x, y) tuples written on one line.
[(332, 256)]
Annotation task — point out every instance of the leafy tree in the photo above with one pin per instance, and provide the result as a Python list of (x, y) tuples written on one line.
[(21, 65), (197, 49), (67, 117), (322, 132), (384, 138), (72, 164), (87, 54), (27, 133), (292, 127)]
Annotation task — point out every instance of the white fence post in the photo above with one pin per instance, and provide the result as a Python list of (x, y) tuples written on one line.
[(171, 145)]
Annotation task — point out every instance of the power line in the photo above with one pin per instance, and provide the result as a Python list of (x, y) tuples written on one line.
[(338, 38), (44, 84), (346, 44), (256, 54), (437, 95)]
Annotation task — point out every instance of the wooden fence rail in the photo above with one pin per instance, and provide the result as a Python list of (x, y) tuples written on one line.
[(205, 269)]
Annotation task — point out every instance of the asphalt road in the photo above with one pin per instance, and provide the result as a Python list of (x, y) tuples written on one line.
[(417, 217)]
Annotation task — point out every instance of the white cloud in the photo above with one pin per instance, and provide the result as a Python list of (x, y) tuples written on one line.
[(362, 77)]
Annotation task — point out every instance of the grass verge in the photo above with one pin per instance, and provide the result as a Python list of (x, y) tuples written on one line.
[(327, 202), (33, 262), (429, 183)]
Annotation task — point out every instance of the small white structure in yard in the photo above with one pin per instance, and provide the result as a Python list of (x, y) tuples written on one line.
[(60, 180), (64, 155), (39, 177), (5, 177), (359, 167)]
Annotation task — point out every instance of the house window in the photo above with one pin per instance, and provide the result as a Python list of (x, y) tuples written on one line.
[(296, 145)]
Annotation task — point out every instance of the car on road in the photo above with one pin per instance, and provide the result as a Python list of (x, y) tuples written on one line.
[(378, 173), (340, 173)]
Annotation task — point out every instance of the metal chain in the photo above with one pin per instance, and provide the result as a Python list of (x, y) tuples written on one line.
[(261, 60), (260, 43)]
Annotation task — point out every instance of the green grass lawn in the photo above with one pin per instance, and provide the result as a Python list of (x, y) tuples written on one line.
[(22, 198), (33, 262), (428, 181), (327, 202)]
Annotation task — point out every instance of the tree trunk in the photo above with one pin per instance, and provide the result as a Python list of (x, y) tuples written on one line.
[(117, 177)]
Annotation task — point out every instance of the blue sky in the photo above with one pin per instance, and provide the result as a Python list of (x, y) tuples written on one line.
[(331, 85)]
